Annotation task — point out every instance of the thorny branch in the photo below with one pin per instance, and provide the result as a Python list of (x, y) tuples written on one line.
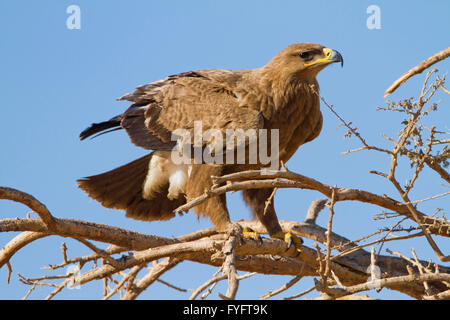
[(412, 134), (205, 246)]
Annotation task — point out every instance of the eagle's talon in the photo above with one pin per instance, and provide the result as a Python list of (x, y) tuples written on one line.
[(271, 257), (291, 240), (289, 244), (249, 233)]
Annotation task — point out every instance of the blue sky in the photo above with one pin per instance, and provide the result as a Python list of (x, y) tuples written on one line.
[(54, 82)]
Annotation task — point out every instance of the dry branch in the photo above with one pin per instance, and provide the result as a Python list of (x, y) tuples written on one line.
[(441, 55), (143, 283), (30, 201), (436, 226), (351, 267)]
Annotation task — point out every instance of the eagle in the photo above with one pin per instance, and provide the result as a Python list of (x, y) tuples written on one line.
[(280, 97)]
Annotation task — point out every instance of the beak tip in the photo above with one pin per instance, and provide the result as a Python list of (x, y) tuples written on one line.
[(339, 58), (335, 56)]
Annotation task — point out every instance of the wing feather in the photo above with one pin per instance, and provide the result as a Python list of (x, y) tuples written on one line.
[(162, 107)]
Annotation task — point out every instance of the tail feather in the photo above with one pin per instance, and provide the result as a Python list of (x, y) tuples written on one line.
[(117, 186), (121, 188)]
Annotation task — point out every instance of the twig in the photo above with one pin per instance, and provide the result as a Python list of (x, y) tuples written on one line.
[(329, 229), (252, 184), (171, 285), (336, 279), (211, 282), (439, 296), (421, 271), (321, 269), (441, 55), (112, 249), (351, 129), (420, 265), (383, 240), (98, 251), (420, 164), (381, 283), (269, 200), (128, 277), (64, 252), (431, 198), (389, 232), (58, 289), (206, 285), (29, 291), (286, 286), (301, 294), (9, 272), (151, 277)]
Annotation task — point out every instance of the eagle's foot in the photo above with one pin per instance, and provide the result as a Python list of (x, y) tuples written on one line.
[(249, 233), (291, 240)]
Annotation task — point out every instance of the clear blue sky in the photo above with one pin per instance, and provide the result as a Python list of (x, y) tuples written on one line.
[(54, 82)]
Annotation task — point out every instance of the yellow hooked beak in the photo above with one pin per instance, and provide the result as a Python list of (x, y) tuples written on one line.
[(330, 56)]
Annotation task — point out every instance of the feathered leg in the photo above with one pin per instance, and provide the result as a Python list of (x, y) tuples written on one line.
[(214, 208)]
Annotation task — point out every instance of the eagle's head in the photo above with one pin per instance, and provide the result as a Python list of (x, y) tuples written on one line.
[(303, 60)]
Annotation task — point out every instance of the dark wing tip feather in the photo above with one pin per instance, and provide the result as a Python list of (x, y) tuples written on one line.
[(104, 132), (99, 127)]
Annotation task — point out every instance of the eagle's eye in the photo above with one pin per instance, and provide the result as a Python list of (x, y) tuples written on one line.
[(306, 55)]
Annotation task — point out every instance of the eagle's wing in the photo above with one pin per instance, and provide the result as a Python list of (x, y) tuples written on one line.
[(177, 102)]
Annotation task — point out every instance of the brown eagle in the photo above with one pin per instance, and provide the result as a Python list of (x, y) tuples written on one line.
[(280, 96)]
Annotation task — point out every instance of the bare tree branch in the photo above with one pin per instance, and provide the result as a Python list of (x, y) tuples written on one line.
[(31, 202), (441, 55)]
